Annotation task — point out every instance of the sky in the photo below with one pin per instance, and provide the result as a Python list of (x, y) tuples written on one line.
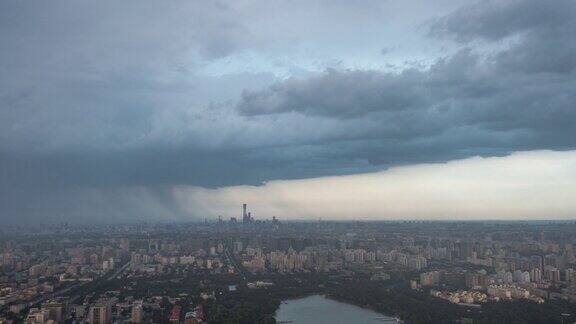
[(180, 110)]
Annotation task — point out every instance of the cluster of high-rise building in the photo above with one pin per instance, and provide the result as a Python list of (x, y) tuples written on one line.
[(51, 277), (33, 270), (113, 310), (322, 259), (464, 297)]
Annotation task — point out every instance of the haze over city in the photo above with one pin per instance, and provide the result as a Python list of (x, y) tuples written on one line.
[(287, 161), (128, 111)]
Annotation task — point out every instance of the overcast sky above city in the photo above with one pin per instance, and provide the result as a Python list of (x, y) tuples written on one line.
[(304, 109)]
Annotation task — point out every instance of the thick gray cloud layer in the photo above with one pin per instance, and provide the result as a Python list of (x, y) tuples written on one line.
[(516, 98), (105, 106)]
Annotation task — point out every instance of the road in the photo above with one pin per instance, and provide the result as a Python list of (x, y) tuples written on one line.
[(54, 294), (109, 276), (119, 271), (241, 271)]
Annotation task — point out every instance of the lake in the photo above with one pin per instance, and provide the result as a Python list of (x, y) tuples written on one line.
[(320, 310)]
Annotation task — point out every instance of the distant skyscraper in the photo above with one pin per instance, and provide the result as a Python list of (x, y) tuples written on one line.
[(244, 214)]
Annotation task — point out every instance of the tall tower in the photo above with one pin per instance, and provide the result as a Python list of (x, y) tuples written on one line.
[(244, 215)]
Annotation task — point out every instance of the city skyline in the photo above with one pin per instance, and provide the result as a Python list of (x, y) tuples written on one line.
[(248, 272)]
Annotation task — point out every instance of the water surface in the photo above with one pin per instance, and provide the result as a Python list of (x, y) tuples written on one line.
[(320, 310)]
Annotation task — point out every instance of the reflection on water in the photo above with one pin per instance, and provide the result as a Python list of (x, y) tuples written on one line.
[(320, 310)]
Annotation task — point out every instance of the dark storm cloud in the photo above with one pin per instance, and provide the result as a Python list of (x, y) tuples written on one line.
[(99, 113), (338, 94), (102, 113), (544, 30), (518, 98), (494, 20), (464, 92)]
